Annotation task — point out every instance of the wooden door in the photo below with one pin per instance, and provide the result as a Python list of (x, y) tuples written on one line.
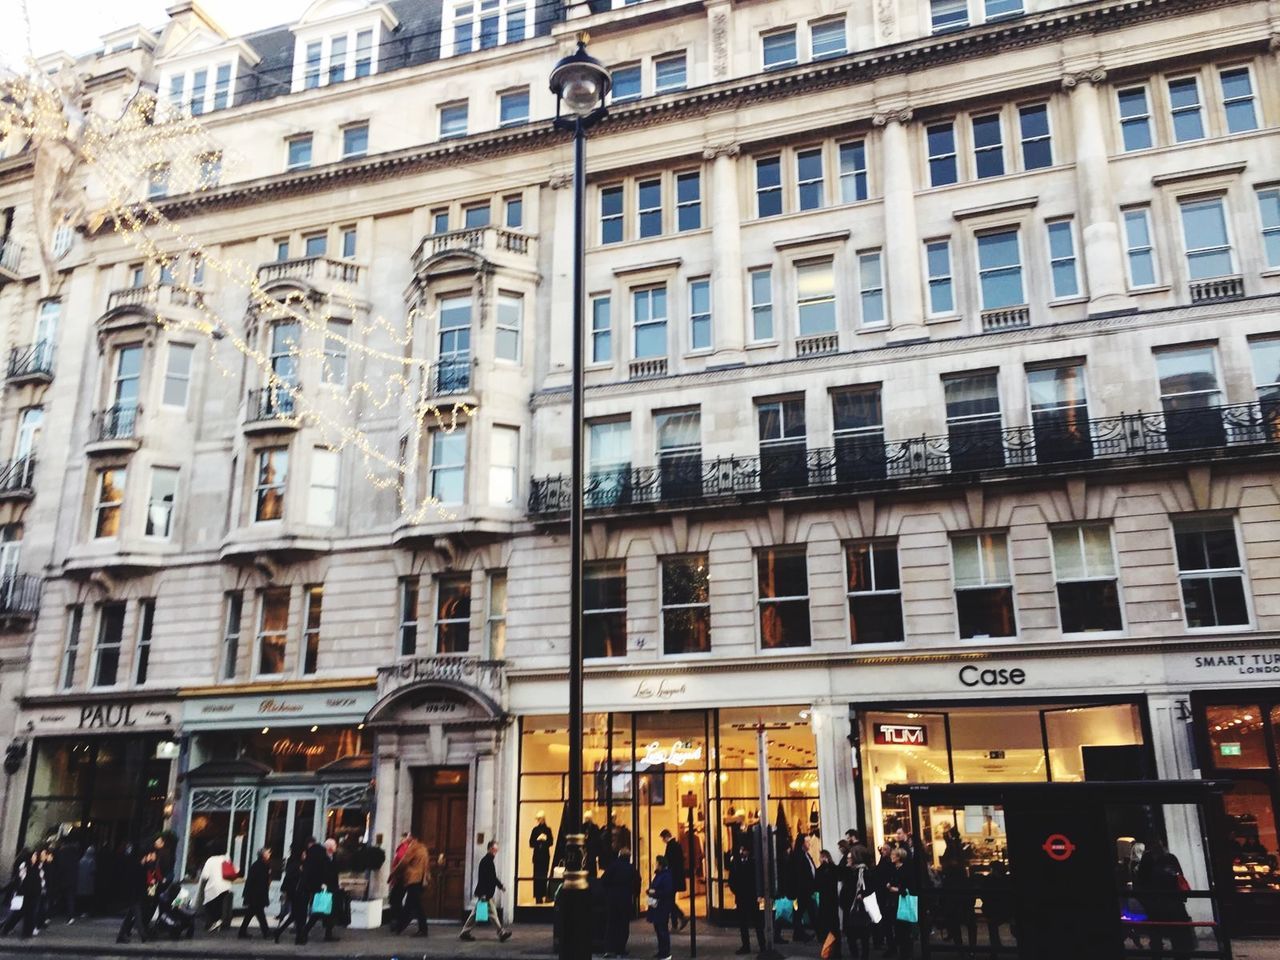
[(440, 798)]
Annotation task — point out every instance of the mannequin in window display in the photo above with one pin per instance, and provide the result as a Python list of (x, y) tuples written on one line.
[(540, 841), (592, 850)]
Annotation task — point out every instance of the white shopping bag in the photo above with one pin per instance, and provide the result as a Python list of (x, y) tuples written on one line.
[(872, 907)]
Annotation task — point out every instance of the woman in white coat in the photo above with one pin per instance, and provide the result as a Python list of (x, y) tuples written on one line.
[(215, 891)]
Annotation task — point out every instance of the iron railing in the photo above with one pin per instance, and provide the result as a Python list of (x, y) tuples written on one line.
[(451, 374), (271, 403), (32, 361), (968, 452), (17, 475), (20, 595), (118, 422)]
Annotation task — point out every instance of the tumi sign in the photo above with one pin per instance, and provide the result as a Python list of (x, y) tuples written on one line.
[(901, 734)]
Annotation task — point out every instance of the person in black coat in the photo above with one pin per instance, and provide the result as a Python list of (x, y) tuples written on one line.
[(257, 894), (319, 872), (888, 900), (800, 885), (487, 885), (136, 890), (540, 842), (745, 889), (289, 888), (900, 883), (827, 884), (675, 864), (621, 882), (26, 884)]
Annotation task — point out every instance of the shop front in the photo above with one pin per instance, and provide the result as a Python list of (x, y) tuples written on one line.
[(271, 770)]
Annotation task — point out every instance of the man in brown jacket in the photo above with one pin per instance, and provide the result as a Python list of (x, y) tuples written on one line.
[(410, 873)]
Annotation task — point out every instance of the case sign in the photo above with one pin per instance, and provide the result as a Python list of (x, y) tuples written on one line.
[(901, 735)]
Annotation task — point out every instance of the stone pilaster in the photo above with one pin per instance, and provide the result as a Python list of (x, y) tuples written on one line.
[(901, 235), (728, 311)]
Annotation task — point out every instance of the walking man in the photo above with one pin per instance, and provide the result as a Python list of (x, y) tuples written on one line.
[(742, 881), (319, 872), (675, 864), (487, 884), (409, 874), (257, 894)]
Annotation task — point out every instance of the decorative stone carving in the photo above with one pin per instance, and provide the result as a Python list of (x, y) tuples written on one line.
[(1094, 75), (885, 16), (720, 44), (560, 181), (720, 150), (897, 115)]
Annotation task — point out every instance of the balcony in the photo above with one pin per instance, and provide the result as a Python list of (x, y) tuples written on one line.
[(1217, 289), (971, 453), (10, 260), (1010, 318), (451, 375), (495, 244), (31, 364), (115, 429), (150, 298), (271, 408), (818, 345), (20, 596), (647, 369), (319, 272), (16, 478)]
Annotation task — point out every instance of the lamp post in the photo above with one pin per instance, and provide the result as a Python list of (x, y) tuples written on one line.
[(580, 83)]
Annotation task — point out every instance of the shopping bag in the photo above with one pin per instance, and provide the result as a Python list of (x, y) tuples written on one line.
[(783, 910), (872, 906), (908, 908), (229, 871), (322, 902), (16, 903), (829, 946), (482, 911)]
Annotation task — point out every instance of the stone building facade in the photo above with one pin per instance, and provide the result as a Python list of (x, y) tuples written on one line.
[(932, 371)]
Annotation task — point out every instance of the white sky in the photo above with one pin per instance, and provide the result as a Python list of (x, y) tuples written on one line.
[(77, 25)]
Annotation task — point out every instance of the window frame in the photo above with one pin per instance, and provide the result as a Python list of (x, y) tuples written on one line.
[(333, 490), (261, 633), (668, 59), (1269, 233), (636, 325), (646, 216), (71, 647), (435, 468), (446, 116), (607, 193), (772, 191), (837, 21), (683, 177), (761, 308), (504, 304), (983, 151), (775, 34), (956, 589), (1226, 102), (1206, 573), (872, 543), (1198, 108), (951, 157), (494, 619), (508, 472), (664, 606), (1228, 245), (264, 456), (229, 649), (151, 502), (801, 551), (813, 184), (612, 566), (408, 615), (1144, 210), (1142, 120), (598, 333), (982, 272), (801, 302), (300, 140), (695, 317), (856, 174), (1114, 577), (361, 127), (99, 647), (948, 278), (101, 506), (504, 97), (1046, 137), (1074, 259), (874, 291), (312, 621), (627, 69)]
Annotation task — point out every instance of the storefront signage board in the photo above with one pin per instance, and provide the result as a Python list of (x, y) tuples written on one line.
[(101, 716), (277, 710), (901, 735)]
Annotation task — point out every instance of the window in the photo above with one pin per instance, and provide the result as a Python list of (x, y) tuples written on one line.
[(937, 254), (626, 83), (853, 171), (948, 14), (611, 214), (669, 73), (1002, 8), (608, 462), (231, 634), (299, 152), (177, 374), (649, 207), (700, 314), (783, 450), (348, 243), (875, 592), (475, 216), (269, 485), (941, 139), (313, 596), (338, 59), (686, 605), (1135, 118), (199, 87), (815, 297), (197, 270), (1037, 146), (47, 329), (761, 283), (1265, 354), (463, 28), (1060, 413), (311, 73), (282, 251), (809, 179), (454, 363), (1085, 569), (75, 615), (176, 86), (504, 460), (974, 435), (106, 661), (322, 497), (364, 53), (513, 107), (826, 39), (984, 590), (453, 121), (164, 492), (871, 288), (1210, 571), (449, 465), (601, 330), (30, 420), (604, 609), (515, 24), (1237, 99), (1062, 258), (408, 616), (858, 431), (284, 351), (1000, 270), (1204, 232), (988, 146), (273, 631), (1184, 105), (337, 335), (1269, 210), (782, 576), (496, 621), (222, 87), (649, 321), (108, 502), (688, 201), (158, 182), (1190, 397), (439, 221), (513, 212), (679, 453), (507, 331), (355, 141), (768, 186), (779, 49), (1138, 249)]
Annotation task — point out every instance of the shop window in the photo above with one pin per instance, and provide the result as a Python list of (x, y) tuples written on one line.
[(1237, 737), (1211, 573), (604, 614), (313, 597), (782, 576), (1095, 743), (142, 655), (984, 586), (219, 824), (409, 616), (875, 592), (686, 605), (453, 613), (106, 662), (299, 749), (273, 626), (1251, 832), (1085, 568), (496, 621)]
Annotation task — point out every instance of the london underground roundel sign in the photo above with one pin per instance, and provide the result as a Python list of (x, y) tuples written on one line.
[(1058, 846)]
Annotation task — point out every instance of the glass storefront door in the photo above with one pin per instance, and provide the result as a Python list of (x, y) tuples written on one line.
[(289, 818)]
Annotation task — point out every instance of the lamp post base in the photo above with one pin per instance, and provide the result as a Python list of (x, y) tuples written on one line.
[(574, 906)]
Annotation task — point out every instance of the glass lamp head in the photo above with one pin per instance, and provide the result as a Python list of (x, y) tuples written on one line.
[(580, 81)]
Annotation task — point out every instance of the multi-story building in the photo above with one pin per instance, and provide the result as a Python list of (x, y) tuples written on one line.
[(933, 356)]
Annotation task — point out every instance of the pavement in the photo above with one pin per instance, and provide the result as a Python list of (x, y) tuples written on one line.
[(96, 938)]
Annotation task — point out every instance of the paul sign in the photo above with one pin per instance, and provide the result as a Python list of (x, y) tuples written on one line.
[(901, 735)]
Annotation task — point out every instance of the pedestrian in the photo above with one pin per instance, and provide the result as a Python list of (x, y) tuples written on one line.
[(620, 882), (855, 889), (487, 887), (675, 864), (958, 905), (1162, 888), (136, 880), (827, 885), (800, 884), (66, 860), (257, 894), (289, 890), (662, 897), (901, 885), (319, 875), (25, 887), (87, 881), (215, 889), (540, 842), (997, 905), (881, 877), (746, 898), (48, 895), (410, 875)]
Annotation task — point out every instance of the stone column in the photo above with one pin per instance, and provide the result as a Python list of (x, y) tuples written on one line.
[(1170, 715), (838, 809), (386, 800), (901, 260), (1099, 227), (560, 319), (729, 321)]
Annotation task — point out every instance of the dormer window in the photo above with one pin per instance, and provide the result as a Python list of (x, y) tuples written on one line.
[(482, 24), (341, 53), (200, 89)]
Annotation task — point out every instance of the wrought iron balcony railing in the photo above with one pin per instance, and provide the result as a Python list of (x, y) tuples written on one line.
[(17, 475), (32, 362), (271, 403), (118, 422), (968, 452), (451, 374), (20, 595)]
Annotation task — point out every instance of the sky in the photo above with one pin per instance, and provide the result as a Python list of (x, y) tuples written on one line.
[(77, 25)]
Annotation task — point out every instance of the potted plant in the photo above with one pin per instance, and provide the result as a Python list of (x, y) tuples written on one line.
[(360, 862)]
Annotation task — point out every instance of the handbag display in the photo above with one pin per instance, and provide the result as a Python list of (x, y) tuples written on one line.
[(482, 911), (229, 871), (908, 908), (322, 903)]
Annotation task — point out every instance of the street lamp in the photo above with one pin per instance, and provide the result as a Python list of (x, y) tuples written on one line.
[(580, 83)]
